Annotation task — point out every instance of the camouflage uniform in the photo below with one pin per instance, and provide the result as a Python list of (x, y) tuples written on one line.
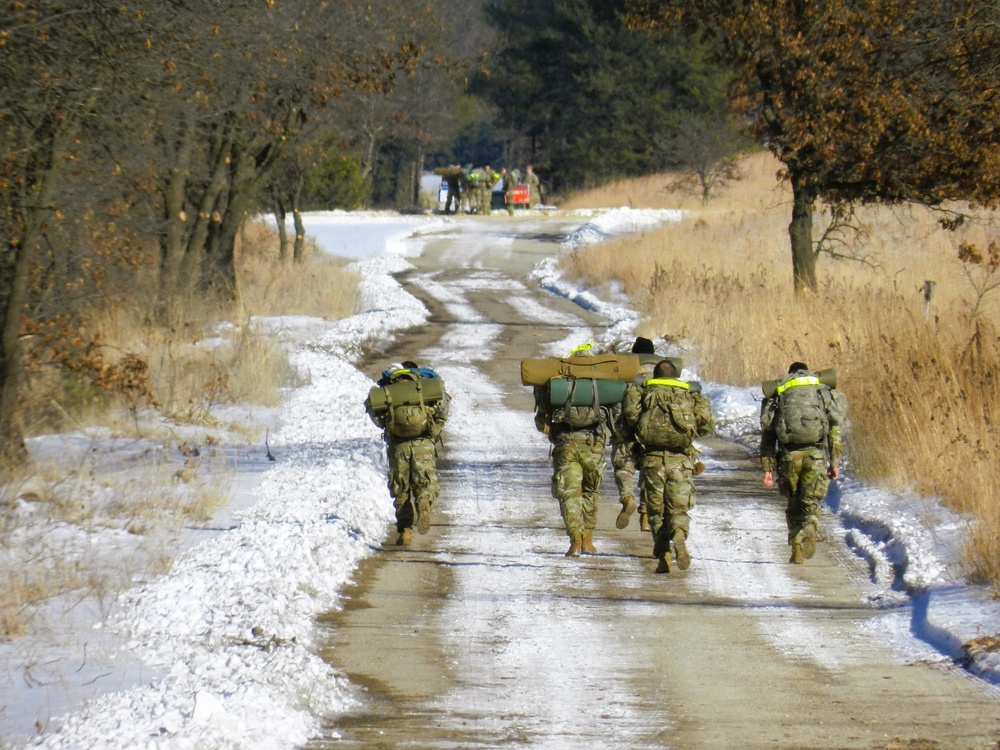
[(578, 466), (626, 454), (453, 178), (801, 470), (667, 476), (508, 191), (413, 481), (534, 188)]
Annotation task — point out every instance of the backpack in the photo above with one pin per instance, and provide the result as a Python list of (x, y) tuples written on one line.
[(407, 398), (667, 420), (800, 411)]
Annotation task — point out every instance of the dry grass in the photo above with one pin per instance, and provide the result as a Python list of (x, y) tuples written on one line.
[(321, 287), (208, 353), (923, 381)]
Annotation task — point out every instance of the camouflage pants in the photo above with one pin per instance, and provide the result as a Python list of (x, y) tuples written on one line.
[(576, 480), (803, 480), (624, 458), (667, 482), (412, 476)]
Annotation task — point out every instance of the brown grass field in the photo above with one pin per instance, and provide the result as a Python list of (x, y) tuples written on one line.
[(922, 378)]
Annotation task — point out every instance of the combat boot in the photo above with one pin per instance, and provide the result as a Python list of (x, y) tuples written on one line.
[(681, 550), (575, 544), (643, 521), (628, 508), (587, 543), (423, 515), (797, 557), (663, 566), (405, 538), (809, 541)]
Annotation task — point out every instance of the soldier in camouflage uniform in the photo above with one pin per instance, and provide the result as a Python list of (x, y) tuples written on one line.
[(625, 452), (578, 466), (453, 178), (534, 187), (413, 481), (668, 462), (804, 470)]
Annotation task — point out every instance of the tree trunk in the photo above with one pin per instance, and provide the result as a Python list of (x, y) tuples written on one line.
[(278, 209), (800, 232), (300, 227), (194, 256), (174, 196), (41, 172)]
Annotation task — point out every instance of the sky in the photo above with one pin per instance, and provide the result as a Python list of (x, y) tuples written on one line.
[(219, 651)]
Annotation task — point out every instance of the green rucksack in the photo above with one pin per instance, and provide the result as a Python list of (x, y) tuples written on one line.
[(799, 412), (667, 420), (408, 400)]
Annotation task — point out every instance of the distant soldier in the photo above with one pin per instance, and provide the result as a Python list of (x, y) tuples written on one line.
[(470, 189), (485, 186), (508, 190), (453, 179), (534, 187), (800, 438), (411, 430), (665, 415)]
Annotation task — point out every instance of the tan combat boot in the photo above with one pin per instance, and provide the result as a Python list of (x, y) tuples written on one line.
[(405, 538), (628, 508), (797, 557), (809, 541), (643, 521), (587, 543), (575, 544), (663, 566), (423, 515), (681, 550)]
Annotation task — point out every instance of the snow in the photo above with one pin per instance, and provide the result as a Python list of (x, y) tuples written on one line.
[(219, 651)]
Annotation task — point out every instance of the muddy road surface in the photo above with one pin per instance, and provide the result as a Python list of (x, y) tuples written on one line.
[(482, 634)]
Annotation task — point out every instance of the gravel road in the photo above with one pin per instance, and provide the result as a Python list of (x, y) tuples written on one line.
[(483, 635)]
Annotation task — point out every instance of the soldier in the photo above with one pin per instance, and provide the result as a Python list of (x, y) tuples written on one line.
[(800, 438), (625, 452), (665, 415), (534, 187), (453, 177), (412, 434), (485, 185), (470, 189), (508, 190), (578, 435)]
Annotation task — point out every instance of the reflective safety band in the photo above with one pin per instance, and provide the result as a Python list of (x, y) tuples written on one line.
[(673, 383), (795, 382), (582, 348)]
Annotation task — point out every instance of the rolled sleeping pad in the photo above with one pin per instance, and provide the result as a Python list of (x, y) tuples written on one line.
[(538, 372), (582, 391), (406, 391)]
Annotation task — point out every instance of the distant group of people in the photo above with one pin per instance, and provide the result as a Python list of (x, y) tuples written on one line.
[(470, 189), (651, 430)]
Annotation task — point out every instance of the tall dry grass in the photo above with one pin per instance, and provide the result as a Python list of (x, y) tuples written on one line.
[(922, 379)]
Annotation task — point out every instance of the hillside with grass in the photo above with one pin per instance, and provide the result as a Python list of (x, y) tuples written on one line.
[(921, 374)]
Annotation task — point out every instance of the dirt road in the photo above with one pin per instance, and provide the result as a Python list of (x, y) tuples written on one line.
[(483, 635)]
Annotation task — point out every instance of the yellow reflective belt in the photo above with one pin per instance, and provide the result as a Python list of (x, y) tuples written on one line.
[(582, 348), (671, 382), (795, 382)]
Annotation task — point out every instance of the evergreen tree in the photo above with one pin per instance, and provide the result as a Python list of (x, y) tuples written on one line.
[(592, 99)]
